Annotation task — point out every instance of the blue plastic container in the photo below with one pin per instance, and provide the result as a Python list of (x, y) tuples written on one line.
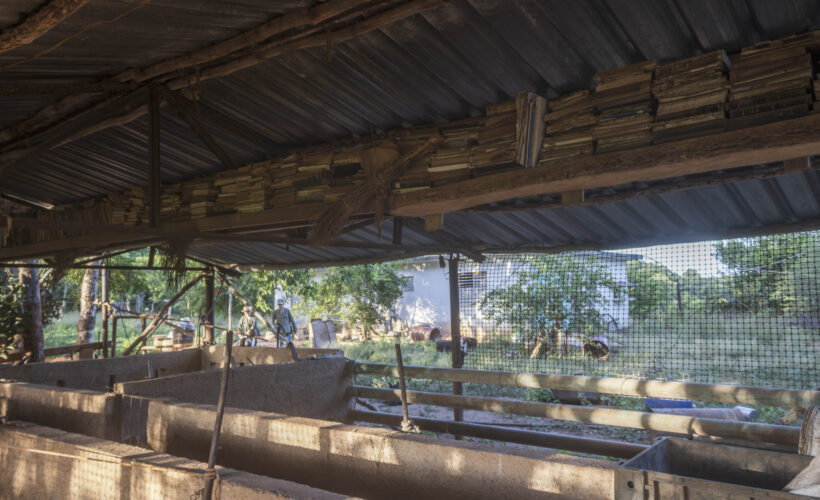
[(652, 403)]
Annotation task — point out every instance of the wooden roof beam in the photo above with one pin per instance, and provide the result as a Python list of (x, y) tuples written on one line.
[(773, 142), (39, 23), (318, 35)]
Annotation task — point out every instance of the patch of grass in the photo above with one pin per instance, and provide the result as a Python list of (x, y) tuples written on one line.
[(749, 349)]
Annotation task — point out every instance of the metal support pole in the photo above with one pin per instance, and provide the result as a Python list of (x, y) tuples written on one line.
[(455, 333), (220, 411), (104, 312), (209, 307), (153, 145)]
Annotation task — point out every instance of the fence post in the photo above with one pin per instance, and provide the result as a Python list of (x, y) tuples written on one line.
[(455, 333), (209, 307), (114, 335)]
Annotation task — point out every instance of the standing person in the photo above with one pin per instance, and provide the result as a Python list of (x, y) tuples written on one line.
[(283, 320), (247, 325)]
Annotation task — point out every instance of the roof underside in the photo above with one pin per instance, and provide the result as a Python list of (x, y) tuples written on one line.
[(443, 64)]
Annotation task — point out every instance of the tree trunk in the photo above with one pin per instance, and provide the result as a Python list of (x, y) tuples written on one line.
[(32, 312), (88, 310)]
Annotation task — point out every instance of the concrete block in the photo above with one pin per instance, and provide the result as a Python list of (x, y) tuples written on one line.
[(40, 462)]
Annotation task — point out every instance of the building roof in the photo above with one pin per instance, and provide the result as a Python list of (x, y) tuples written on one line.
[(442, 64)]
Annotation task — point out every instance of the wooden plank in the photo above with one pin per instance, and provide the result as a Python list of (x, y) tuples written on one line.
[(768, 143)]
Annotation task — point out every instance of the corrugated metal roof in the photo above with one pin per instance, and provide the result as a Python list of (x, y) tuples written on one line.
[(443, 64)]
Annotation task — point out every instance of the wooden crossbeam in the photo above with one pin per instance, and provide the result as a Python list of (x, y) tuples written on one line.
[(773, 142), (107, 235)]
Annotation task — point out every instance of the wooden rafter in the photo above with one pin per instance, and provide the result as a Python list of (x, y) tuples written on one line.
[(91, 119), (39, 23), (186, 112), (328, 10), (773, 142)]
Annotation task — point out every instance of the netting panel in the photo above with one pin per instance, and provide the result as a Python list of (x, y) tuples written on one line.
[(743, 311)]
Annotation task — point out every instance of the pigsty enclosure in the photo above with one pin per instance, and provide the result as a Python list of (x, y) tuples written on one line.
[(220, 137), (290, 428)]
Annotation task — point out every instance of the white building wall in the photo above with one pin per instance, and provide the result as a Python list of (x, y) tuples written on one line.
[(429, 301)]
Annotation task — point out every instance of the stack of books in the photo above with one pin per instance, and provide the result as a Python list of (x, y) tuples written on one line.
[(200, 195), (496, 145), (770, 84), (623, 103), (570, 120), (691, 96)]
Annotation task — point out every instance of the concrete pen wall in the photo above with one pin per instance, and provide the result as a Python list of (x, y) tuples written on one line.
[(310, 388)]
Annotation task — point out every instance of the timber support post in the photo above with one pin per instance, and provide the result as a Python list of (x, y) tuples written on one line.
[(209, 306), (153, 147), (455, 333), (104, 308)]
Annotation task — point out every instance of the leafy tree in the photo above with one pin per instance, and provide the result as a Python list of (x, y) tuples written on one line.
[(13, 319), (261, 287), (358, 295), (760, 269), (655, 288), (553, 295)]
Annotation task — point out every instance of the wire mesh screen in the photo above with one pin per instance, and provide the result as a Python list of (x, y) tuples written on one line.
[(744, 311)]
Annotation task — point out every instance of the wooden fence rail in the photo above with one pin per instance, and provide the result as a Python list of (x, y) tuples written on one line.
[(723, 393), (675, 424), (56, 351)]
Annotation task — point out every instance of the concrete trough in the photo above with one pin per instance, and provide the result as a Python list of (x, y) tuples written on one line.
[(40, 462), (103, 374), (314, 388), (373, 462)]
